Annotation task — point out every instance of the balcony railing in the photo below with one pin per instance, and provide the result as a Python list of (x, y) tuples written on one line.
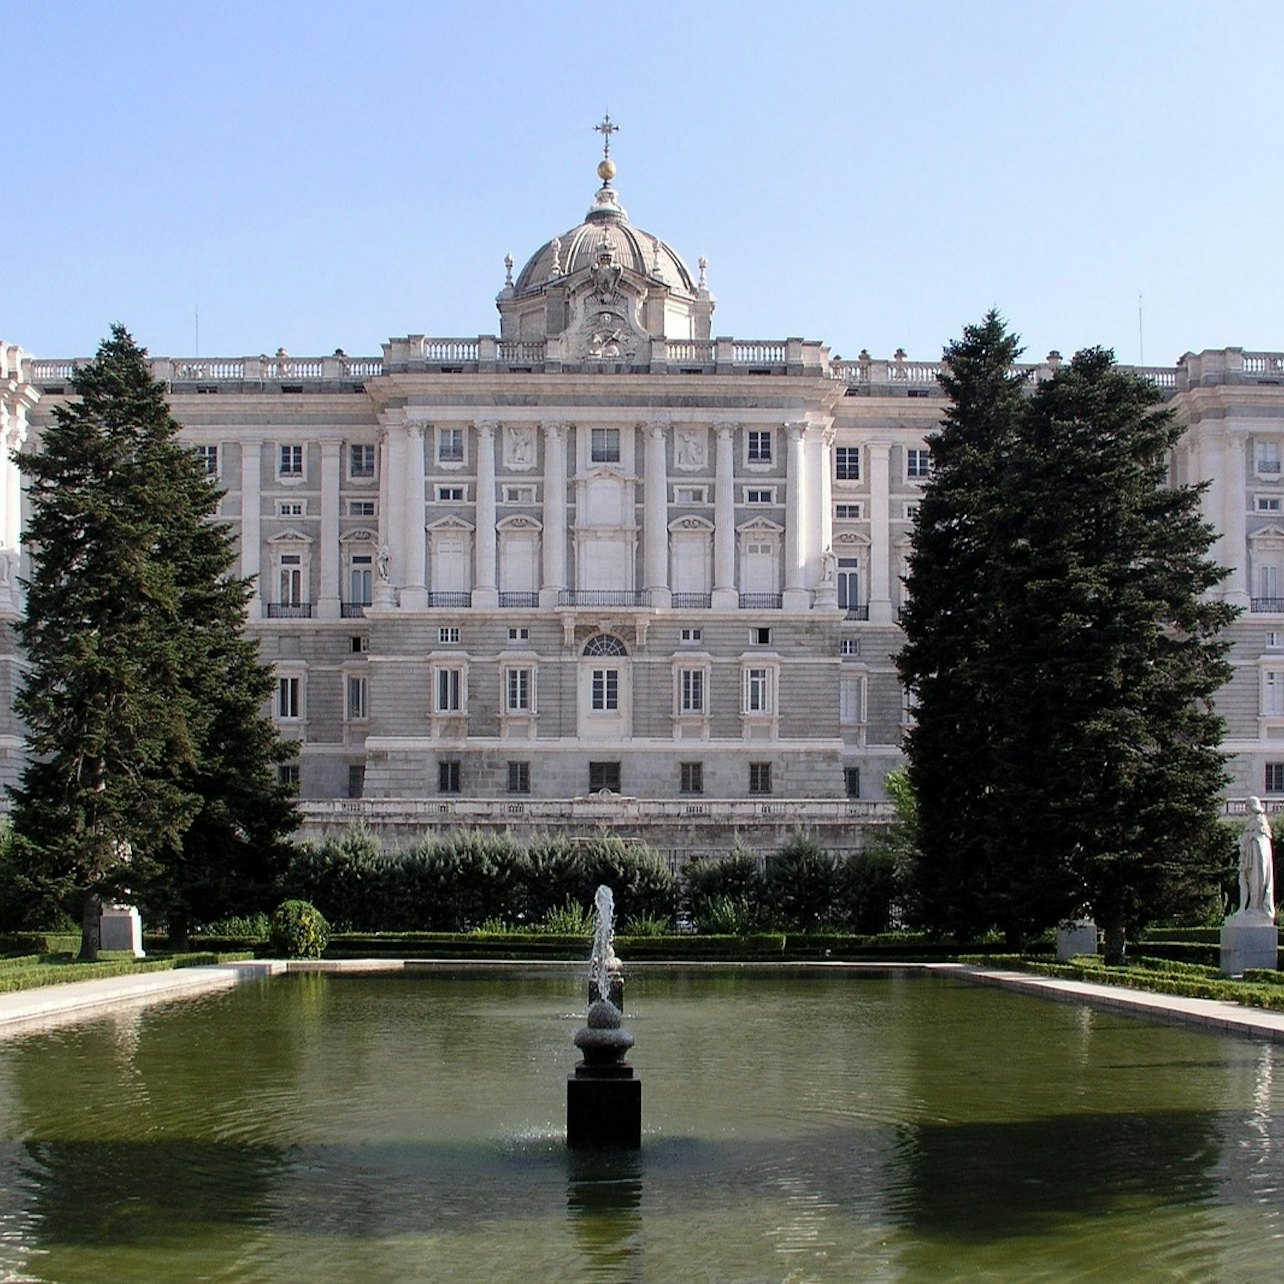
[(602, 597), (454, 599), (761, 601), (1267, 605), (857, 612), (519, 599), (353, 610), (692, 601), (289, 610)]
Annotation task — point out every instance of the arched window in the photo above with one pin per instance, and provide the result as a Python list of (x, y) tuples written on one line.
[(604, 644)]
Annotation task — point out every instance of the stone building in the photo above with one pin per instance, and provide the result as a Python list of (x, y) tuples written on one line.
[(607, 567)]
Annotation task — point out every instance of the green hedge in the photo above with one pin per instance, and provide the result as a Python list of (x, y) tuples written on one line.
[(61, 969)]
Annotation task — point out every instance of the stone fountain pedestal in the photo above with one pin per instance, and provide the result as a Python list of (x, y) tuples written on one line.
[(1249, 940), (603, 1099)]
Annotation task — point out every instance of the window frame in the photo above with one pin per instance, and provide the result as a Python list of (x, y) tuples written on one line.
[(760, 782), (604, 445)]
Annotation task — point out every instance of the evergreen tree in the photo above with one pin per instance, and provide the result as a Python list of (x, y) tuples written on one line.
[(949, 622), (149, 758), (1108, 655)]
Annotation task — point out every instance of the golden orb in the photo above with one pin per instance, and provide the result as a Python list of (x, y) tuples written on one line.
[(606, 170)]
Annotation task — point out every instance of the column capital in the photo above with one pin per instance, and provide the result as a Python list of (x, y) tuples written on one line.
[(394, 418), (554, 429), (657, 428), (796, 429), (486, 427), (726, 429)]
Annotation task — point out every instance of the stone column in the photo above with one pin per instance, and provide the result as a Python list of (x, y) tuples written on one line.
[(252, 521), (13, 435), (796, 597), (485, 588), (554, 512), (386, 566), (1234, 524), (725, 594), (331, 465), (414, 589), (880, 537), (655, 515)]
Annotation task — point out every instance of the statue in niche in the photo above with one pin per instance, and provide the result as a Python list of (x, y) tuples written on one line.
[(689, 452), (520, 447), (1256, 864), (606, 273)]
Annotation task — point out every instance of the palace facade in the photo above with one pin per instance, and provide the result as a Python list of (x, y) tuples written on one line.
[(607, 567)]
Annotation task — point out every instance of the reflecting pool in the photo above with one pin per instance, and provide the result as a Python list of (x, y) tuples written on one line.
[(798, 1125)]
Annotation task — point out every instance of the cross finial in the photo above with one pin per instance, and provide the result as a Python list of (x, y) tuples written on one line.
[(606, 129)]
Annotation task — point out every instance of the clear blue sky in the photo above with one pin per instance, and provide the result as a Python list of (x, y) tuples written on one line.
[(329, 174)]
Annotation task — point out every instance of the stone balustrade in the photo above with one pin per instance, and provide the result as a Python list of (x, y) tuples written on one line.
[(488, 354)]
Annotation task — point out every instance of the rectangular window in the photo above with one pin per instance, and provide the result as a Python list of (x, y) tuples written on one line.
[(606, 690), (759, 446), (356, 780), (359, 642), (911, 512), (604, 775), (1272, 640), (291, 507), (690, 494), (519, 634), (691, 777), (448, 634), (450, 494), (1266, 457), (208, 455), (847, 512), (291, 461), (692, 635), (448, 777), (1275, 777), (760, 495), (847, 463), (851, 781), (1268, 503), (518, 685), (450, 686), (692, 688), (519, 494), (361, 579), (849, 646), (1273, 692), (287, 697), (290, 581), (519, 777), (361, 508), (450, 445), (757, 693), (288, 774), (760, 636), (760, 777), (357, 691), (361, 461), (851, 701), (918, 464), (604, 445)]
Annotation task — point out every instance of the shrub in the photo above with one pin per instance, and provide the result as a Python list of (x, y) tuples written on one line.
[(570, 919), (799, 885), (729, 916), (646, 925), (299, 931), (243, 927), (865, 888), (710, 881)]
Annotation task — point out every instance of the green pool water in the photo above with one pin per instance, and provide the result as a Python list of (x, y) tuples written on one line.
[(819, 1125)]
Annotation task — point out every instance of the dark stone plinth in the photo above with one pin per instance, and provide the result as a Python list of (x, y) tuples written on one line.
[(603, 1111)]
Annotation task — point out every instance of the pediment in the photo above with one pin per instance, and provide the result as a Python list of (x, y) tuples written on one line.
[(361, 535), (520, 523), (452, 523), (690, 524), (1272, 532), (291, 535), (760, 526)]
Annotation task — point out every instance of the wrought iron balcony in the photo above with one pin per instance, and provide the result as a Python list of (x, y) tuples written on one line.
[(519, 599), (602, 597), (857, 612), (761, 601), (289, 610), (353, 610), (1267, 605), (455, 599), (692, 601)]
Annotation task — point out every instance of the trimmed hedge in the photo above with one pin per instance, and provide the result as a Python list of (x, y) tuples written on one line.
[(59, 970)]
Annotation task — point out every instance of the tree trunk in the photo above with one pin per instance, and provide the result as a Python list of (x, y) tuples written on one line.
[(1116, 942), (91, 930), (180, 930)]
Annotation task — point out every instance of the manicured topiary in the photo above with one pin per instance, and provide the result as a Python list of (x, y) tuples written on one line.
[(299, 931)]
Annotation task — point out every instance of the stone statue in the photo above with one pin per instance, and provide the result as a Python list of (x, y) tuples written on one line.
[(383, 563), (690, 448), (829, 567), (1256, 864), (519, 446)]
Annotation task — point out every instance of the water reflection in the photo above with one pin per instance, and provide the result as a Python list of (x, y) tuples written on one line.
[(604, 1205)]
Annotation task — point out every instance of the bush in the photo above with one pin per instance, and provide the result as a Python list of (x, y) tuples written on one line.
[(800, 886), (570, 919), (865, 888), (299, 931), (713, 887), (729, 916)]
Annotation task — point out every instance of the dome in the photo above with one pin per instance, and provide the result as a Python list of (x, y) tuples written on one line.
[(633, 249)]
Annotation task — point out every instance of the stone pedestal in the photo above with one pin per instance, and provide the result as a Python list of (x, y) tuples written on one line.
[(603, 1108), (1249, 940), (1077, 937), (120, 928)]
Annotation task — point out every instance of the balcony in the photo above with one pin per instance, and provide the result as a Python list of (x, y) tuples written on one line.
[(1266, 605), (454, 600), (692, 601), (857, 612), (288, 610), (525, 600), (761, 601), (602, 597), (353, 610)]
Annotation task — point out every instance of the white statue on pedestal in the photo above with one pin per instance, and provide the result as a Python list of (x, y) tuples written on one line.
[(1256, 865)]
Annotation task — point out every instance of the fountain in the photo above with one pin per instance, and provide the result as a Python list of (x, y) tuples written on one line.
[(603, 1099)]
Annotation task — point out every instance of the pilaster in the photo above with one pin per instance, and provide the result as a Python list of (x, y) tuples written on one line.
[(725, 594), (655, 514), (414, 589), (796, 596), (880, 537), (328, 600), (485, 588), (554, 511)]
